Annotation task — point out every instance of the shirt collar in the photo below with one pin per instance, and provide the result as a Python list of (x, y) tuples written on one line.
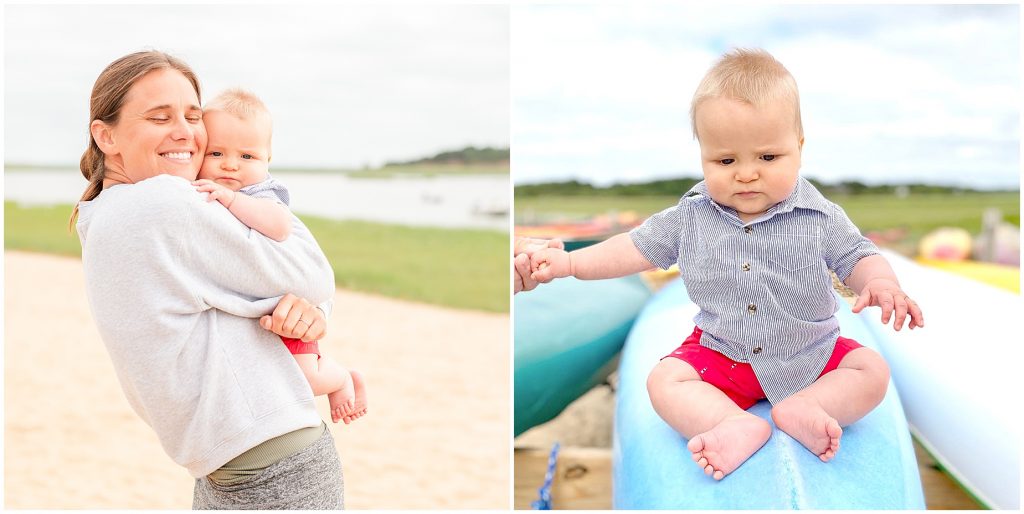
[(804, 196)]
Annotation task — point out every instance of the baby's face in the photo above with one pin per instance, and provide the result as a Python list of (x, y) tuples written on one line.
[(238, 152), (750, 155)]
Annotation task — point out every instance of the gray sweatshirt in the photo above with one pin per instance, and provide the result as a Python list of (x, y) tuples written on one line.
[(176, 286)]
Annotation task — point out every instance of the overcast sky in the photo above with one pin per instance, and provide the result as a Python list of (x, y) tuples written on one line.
[(888, 93), (347, 85)]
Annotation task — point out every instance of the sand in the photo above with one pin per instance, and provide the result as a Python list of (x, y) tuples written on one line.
[(437, 434)]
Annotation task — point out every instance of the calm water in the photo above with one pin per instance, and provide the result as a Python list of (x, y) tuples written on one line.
[(441, 201)]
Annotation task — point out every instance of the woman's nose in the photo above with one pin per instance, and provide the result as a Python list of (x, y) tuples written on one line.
[(183, 130)]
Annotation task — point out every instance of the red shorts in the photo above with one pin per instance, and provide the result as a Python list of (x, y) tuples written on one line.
[(737, 379), (298, 347)]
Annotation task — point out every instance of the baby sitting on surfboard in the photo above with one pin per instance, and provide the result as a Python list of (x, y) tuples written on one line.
[(754, 243)]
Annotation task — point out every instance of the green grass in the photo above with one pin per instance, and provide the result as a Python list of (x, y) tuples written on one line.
[(918, 214), (581, 207), (466, 269)]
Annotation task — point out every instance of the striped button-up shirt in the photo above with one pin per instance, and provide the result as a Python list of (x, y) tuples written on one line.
[(268, 188), (763, 287)]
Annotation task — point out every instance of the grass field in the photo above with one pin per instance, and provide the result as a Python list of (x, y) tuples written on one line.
[(918, 214), (466, 269)]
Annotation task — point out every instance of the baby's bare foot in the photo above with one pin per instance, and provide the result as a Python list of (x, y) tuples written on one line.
[(728, 444), (804, 419), (341, 402), (359, 406)]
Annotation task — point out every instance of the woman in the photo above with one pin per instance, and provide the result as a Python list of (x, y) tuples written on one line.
[(176, 284)]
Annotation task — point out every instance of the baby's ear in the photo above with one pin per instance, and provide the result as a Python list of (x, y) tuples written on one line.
[(801, 143)]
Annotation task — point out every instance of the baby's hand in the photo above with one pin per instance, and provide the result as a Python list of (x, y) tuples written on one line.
[(885, 293), (549, 264), (216, 191)]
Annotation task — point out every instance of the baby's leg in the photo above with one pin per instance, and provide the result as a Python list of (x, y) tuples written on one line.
[(814, 416), (325, 376), (722, 435)]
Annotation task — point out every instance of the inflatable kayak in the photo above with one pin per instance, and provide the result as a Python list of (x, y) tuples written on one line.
[(652, 469), (998, 275), (960, 377), (567, 334)]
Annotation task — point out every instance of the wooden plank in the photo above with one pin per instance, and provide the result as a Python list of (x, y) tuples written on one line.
[(940, 491), (583, 478)]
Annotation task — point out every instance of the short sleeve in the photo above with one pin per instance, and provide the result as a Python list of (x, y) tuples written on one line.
[(844, 245), (657, 238), (270, 189)]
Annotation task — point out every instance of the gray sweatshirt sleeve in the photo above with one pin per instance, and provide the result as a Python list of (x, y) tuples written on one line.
[(234, 268)]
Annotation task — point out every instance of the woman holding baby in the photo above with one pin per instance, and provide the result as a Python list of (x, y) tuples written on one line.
[(190, 303)]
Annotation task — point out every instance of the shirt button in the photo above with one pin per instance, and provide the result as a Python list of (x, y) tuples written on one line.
[(746, 266), (747, 229), (751, 308), (757, 350)]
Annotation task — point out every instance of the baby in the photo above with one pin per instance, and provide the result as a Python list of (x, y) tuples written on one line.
[(236, 161), (754, 243)]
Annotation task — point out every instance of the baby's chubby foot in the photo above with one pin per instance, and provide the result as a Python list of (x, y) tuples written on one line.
[(341, 402), (728, 444), (358, 407), (805, 420)]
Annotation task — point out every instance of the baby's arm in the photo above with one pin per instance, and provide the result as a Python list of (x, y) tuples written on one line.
[(874, 278), (616, 257), (263, 215)]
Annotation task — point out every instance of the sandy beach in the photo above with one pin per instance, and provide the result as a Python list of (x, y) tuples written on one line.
[(437, 434)]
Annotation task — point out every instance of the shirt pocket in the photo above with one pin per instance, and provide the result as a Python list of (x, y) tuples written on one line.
[(798, 279)]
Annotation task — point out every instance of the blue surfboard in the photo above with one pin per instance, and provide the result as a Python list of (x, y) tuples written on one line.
[(652, 469)]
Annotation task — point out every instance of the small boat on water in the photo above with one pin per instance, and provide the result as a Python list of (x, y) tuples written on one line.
[(652, 469), (960, 377), (567, 335)]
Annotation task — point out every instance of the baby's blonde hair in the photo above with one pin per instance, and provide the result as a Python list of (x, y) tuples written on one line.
[(749, 75), (241, 103), (245, 106)]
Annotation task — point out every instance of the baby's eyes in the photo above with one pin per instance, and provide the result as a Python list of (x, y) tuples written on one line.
[(247, 156), (215, 154), (767, 157)]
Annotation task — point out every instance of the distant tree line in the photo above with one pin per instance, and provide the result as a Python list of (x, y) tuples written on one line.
[(467, 155), (678, 186)]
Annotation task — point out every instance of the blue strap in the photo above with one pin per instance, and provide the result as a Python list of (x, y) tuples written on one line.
[(544, 502)]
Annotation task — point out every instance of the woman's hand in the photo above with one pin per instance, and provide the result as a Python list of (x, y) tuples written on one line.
[(296, 318), (522, 251)]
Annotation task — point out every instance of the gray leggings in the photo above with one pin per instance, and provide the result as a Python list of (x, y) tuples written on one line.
[(308, 480)]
